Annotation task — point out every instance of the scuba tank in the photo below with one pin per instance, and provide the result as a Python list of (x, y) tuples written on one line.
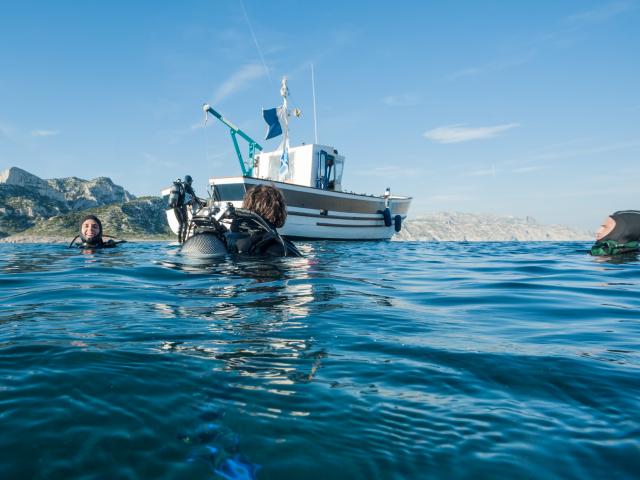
[(176, 194)]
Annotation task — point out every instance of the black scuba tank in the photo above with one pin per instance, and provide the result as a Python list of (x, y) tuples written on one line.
[(176, 194)]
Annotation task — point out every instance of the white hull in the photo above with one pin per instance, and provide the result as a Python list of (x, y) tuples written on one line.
[(316, 214)]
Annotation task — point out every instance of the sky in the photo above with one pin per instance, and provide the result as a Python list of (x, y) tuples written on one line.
[(506, 108)]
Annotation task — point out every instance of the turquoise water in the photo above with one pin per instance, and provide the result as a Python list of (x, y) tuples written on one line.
[(384, 360)]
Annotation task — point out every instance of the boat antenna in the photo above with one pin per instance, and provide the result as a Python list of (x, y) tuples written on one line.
[(315, 115)]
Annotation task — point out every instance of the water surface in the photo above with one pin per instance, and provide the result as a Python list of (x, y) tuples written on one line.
[(377, 360)]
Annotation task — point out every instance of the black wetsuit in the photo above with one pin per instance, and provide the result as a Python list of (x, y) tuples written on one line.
[(181, 210), (95, 245), (247, 236)]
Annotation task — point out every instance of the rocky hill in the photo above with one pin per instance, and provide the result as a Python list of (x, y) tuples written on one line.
[(35, 209), (142, 217), (26, 199), (446, 226)]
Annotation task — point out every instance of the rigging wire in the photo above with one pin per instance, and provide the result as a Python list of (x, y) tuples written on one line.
[(255, 40)]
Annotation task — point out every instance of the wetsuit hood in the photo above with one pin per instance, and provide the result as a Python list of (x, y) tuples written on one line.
[(98, 238), (627, 227)]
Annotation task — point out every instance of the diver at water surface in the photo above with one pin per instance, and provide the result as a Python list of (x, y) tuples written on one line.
[(249, 235), (91, 235), (619, 233), (253, 228), (179, 201)]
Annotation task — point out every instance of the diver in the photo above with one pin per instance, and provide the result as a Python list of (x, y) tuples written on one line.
[(252, 229), (180, 197), (91, 235), (618, 234)]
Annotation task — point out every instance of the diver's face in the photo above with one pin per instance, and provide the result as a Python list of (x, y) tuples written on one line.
[(90, 229), (606, 228)]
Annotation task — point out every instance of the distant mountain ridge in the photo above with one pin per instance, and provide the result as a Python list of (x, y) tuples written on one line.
[(29, 204), (446, 226), (39, 209)]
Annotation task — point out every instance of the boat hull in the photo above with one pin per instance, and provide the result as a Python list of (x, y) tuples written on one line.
[(316, 214)]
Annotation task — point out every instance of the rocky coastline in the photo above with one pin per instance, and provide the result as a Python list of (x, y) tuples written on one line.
[(35, 210)]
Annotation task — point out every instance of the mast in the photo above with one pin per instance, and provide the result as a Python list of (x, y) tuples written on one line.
[(284, 91), (284, 159)]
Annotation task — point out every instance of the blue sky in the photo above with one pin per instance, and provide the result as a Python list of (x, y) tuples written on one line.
[(509, 108)]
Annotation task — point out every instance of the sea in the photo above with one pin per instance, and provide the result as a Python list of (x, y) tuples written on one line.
[(361, 360)]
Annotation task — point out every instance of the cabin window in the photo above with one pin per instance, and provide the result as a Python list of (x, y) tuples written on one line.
[(329, 171)]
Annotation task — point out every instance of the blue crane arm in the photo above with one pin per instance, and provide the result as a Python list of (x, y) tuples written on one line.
[(247, 169)]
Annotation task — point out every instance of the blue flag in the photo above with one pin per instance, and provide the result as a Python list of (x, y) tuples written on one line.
[(271, 117)]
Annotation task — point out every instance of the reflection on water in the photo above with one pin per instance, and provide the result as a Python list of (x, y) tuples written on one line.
[(359, 360)]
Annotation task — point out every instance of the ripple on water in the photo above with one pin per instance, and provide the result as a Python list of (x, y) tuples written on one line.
[(360, 360)]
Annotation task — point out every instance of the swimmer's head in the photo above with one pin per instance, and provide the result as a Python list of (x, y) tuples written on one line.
[(268, 202), (621, 227), (607, 225), (91, 230)]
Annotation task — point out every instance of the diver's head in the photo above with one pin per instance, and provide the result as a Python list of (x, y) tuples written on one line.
[(606, 226), (91, 230), (622, 227), (268, 202), (188, 180)]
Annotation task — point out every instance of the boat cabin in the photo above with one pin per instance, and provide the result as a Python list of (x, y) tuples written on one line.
[(312, 165)]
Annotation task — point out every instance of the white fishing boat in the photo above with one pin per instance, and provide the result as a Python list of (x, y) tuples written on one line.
[(311, 178)]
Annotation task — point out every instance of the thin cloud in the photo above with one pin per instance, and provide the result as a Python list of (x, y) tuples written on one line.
[(485, 172), (152, 160), (600, 14), (392, 171), (403, 100), (239, 81), (451, 198), (587, 151), (44, 133), (530, 169), (561, 35), (460, 133), (5, 132), (494, 66)]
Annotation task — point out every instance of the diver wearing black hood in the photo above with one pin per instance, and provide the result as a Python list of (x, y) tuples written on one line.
[(619, 233), (91, 235)]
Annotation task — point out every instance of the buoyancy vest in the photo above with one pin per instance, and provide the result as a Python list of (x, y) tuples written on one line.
[(111, 243), (253, 235), (612, 247)]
